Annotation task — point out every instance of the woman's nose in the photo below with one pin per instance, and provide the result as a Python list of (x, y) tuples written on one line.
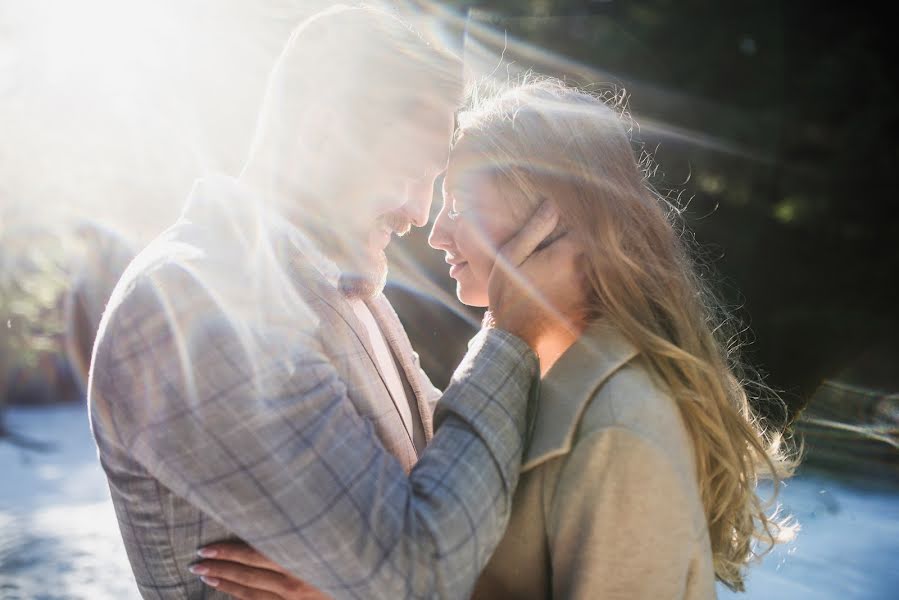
[(440, 235)]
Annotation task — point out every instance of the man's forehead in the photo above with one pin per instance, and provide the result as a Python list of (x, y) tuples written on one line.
[(434, 118), (430, 139)]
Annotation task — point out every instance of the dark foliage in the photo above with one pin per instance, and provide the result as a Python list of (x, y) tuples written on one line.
[(792, 206)]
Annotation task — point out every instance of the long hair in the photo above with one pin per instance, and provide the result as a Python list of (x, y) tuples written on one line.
[(543, 139)]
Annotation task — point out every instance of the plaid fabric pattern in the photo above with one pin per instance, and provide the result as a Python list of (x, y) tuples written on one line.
[(217, 417)]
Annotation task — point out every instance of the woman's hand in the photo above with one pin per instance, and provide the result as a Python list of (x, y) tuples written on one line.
[(237, 569)]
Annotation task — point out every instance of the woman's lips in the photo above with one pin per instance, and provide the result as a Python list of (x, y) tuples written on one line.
[(456, 268)]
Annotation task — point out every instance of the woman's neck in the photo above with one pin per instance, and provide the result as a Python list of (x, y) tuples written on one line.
[(553, 344)]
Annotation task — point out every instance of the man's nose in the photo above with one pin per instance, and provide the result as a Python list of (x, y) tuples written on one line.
[(418, 202)]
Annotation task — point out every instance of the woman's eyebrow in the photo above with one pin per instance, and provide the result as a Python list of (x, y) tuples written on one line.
[(453, 187)]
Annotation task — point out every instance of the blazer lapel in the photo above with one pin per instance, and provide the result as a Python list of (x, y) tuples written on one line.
[(399, 343)]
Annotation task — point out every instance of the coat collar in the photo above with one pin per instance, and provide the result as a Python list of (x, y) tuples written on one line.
[(568, 388)]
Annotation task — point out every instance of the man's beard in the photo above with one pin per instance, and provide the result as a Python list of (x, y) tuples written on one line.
[(364, 273), (364, 282)]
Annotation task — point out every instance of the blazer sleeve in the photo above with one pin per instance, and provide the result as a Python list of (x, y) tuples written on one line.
[(618, 523), (255, 428)]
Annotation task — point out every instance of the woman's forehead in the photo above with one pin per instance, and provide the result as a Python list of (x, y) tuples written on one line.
[(467, 171), (480, 183), (467, 182)]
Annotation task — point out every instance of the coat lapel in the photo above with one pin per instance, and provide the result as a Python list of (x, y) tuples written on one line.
[(568, 388)]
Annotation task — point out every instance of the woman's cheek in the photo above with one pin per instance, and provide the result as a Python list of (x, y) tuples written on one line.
[(478, 241)]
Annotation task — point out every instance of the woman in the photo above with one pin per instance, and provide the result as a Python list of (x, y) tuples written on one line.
[(639, 479)]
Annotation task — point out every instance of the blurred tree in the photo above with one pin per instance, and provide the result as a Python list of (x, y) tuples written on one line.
[(778, 120), (32, 280), (98, 258)]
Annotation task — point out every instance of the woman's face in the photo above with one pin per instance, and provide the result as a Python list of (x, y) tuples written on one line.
[(475, 220)]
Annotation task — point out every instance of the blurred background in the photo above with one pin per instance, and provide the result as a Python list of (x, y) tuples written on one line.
[(775, 122)]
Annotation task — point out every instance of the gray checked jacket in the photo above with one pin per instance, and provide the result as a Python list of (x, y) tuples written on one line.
[(233, 395)]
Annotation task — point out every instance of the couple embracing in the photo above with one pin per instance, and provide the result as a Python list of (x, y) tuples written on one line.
[(261, 416)]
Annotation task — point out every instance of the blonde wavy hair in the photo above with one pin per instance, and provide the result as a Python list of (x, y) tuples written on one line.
[(544, 139)]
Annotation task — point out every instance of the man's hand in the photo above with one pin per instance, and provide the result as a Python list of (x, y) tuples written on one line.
[(534, 284), (239, 570)]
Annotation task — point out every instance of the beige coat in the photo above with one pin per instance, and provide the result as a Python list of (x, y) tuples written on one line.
[(608, 505)]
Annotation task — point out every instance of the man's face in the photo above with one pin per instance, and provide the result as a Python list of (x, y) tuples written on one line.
[(395, 198)]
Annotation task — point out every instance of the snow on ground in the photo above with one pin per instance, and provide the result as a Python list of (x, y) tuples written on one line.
[(847, 548), (59, 539), (58, 535)]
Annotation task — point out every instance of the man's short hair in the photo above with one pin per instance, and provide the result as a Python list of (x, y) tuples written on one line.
[(347, 79)]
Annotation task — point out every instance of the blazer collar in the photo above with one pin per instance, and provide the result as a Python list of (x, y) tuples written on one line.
[(568, 388)]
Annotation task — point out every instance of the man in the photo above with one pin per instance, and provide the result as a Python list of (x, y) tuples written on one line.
[(251, 381)]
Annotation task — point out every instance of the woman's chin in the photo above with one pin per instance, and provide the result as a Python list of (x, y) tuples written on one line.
[(473, 298)]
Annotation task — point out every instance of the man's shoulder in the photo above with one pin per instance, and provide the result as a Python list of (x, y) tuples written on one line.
[(187, 280), (184, 315), (169, 268)]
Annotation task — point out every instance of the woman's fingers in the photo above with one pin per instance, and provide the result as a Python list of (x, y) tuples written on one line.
[(255, 580), (239, 570), (239, 591), (239, 552), (249, 577)]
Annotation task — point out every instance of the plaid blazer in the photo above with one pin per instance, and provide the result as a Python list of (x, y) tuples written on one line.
[(233, 395)]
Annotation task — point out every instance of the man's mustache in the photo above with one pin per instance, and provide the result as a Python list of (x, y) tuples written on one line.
[(396, 222)]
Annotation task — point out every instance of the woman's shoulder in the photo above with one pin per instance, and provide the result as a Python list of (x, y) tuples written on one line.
[(631, 400)]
